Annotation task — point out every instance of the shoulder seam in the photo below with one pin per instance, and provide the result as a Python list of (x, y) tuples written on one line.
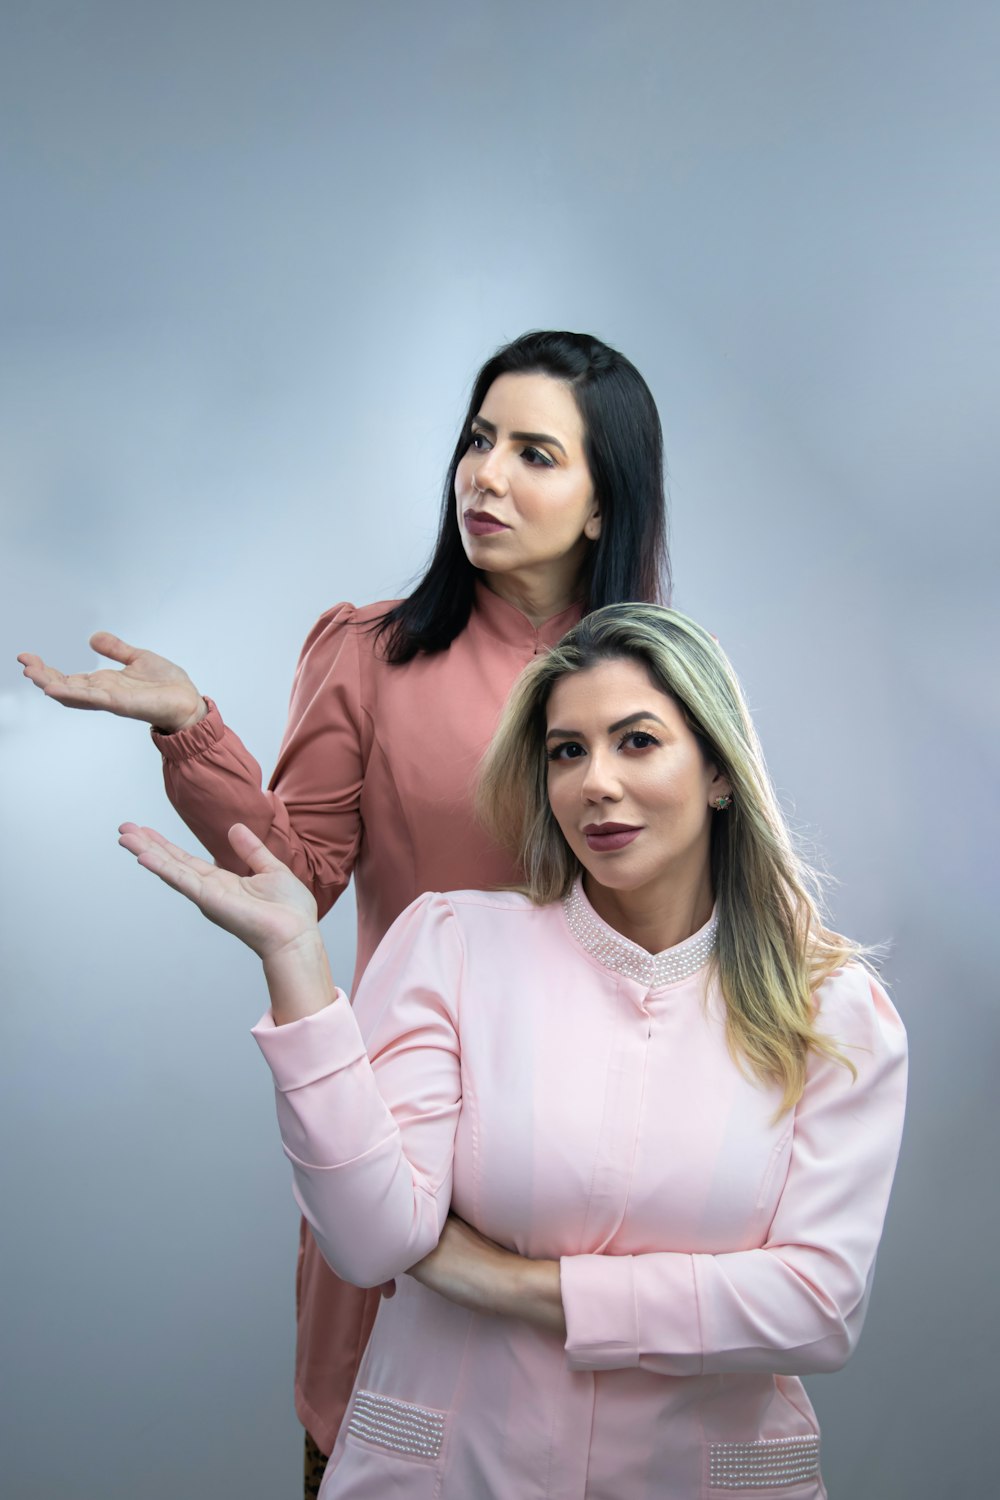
[(365, 614), (496, 900)]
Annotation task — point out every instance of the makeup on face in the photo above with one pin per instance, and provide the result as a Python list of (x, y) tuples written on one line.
[(627, 780), (523, 491)]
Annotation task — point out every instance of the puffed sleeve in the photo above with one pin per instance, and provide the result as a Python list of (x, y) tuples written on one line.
[(310, 815), (368, 1100), (795, 1305)]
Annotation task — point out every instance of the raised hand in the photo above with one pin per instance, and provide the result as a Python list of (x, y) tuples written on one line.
[(148, 687), (269, 910)]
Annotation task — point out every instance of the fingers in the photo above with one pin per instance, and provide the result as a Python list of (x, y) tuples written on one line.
[(106, 644), (78, 691), (35, 669), (259, 910), (146, 841), (172, 872), (182, 872), (135, 839), (103, 642), (248, 846)]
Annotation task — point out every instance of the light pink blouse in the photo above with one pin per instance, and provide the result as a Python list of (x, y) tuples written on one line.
[(573, 1097), (375, 780)]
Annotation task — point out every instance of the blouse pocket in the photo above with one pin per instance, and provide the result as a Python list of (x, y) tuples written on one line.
[(787, 1466), (397, 1427)]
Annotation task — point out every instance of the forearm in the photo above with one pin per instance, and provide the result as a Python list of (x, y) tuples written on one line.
[(213, 781), (373, 1190), (531, 1291), (477, 1273), (793, 1313), (298, 977), (368, 1113)]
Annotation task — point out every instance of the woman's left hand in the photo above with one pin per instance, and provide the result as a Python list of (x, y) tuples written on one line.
[(467, 1268)]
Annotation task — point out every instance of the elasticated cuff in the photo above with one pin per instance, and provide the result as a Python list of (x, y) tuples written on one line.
[(184, 744)]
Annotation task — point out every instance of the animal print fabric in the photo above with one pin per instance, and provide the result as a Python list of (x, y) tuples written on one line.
[(315, 1464)]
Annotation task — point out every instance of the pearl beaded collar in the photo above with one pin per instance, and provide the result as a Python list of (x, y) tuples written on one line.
[(625, 957)]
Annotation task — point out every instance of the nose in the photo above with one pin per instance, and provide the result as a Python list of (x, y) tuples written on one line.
[(488, 474), (600, 781)]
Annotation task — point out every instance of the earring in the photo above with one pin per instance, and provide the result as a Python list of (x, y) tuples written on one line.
[(721, 803)]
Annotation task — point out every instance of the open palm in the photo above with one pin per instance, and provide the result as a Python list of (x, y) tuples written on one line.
[(269, 910), (146, 687)]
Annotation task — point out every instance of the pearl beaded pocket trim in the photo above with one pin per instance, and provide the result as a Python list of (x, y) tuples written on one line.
[(398, 1426), (624, 957), (769, 1463)]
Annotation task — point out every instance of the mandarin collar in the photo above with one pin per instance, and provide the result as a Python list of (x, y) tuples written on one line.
[(508, 625), (622, 956)]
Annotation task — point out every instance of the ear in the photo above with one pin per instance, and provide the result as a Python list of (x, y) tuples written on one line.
[(592, 525), (718, 786)]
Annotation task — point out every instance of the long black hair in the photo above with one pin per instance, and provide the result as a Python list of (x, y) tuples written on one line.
[(623, 445)]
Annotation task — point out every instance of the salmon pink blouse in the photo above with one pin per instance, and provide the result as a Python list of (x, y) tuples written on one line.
[(374, 779), (573, 1097)]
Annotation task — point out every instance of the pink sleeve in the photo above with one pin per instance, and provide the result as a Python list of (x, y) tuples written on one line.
[(370, 1133), (310, 817), (795, 1305)]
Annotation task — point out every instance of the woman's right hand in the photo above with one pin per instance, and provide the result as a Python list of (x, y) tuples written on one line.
[(148, 687), (269, 910)]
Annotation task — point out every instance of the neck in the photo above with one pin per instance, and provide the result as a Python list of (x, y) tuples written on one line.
[(657, 917), (538, 593)]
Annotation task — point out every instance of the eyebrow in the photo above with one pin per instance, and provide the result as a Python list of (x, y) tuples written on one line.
[(578, 734), (522, 437)]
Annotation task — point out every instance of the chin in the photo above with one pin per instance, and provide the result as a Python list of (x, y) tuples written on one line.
[(483, 552), (613, 877)]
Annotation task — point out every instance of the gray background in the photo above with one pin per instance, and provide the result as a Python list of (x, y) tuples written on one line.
[(252, 255)]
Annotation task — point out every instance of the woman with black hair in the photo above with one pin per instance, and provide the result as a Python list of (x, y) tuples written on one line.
[(553, 506)]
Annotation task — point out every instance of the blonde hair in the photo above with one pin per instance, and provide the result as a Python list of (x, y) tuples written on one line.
[(773, 948)]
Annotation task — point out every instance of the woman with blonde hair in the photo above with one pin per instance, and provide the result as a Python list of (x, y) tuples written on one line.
[(661, 1099)]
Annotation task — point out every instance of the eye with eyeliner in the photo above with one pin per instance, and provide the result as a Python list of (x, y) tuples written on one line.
[(535, 458), (649, 742), (638, 734), (555, 752)]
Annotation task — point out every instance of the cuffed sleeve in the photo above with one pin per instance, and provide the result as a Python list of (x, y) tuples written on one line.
[(188, 744), (796, 1304), (310, 815), (602, 1326), (302, 1052), (368, 1101), (605, 1328)]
